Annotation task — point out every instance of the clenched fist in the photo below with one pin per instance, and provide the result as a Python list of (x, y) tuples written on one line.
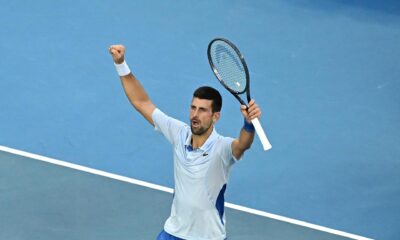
[(251, 112), (117, 52)]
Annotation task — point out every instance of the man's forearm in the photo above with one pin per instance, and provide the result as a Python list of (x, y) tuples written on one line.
[(245, 139), (132, 87), (138, 96), (134, 90)]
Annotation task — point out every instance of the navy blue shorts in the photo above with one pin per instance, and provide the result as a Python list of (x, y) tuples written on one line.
[(166, 236)]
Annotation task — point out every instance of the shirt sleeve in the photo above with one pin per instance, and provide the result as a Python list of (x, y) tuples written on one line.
[(167, 125), (228, 157)]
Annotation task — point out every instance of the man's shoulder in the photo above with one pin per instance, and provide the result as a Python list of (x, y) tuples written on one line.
[(162, 117), (174, 130), (222, 142)]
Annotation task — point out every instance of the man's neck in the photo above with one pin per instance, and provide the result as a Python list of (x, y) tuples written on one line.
[(199, 140)]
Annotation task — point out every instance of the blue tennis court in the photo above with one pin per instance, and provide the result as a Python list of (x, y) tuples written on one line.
[(51, 199), (325, 73)]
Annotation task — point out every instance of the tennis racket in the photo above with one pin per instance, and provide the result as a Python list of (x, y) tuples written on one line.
[(231, 70)]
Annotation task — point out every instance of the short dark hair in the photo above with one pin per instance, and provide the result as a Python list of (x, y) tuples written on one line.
[(210, 93)]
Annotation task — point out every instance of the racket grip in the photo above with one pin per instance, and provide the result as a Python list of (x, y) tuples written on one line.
[(261, 134)]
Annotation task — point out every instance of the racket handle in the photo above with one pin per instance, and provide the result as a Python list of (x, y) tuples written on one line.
[(261, 134)]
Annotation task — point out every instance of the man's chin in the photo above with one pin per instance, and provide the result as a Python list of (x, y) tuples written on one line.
[(197, 131)]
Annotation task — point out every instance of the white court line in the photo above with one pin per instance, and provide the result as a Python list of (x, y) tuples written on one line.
[(170, 190)]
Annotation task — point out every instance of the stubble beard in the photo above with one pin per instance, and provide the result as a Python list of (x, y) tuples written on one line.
[(199, 131)]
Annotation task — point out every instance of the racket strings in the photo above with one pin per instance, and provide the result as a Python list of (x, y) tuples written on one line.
[(228, 66)]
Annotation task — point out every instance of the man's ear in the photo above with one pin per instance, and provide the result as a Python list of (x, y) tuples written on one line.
[(216, 116)]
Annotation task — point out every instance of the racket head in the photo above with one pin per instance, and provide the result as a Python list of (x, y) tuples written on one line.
[(229, 66)]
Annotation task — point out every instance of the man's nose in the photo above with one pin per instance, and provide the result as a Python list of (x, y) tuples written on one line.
[(195, 112)]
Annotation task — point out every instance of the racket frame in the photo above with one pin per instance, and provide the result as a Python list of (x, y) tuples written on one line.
[(246, 70), (260, 132)]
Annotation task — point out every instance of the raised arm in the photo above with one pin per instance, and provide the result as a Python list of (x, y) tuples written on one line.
[(132, 87), (246, 136)]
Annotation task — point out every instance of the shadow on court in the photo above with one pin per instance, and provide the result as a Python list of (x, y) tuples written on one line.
[(40, 200)]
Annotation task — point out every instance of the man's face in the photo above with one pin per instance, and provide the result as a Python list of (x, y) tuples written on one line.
[(201, 116)]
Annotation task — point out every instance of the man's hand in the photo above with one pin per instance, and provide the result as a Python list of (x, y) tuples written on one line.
[(117, 52), (245, 139), (252, 112)]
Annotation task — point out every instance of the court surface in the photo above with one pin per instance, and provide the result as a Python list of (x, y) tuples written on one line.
[(45, 200)]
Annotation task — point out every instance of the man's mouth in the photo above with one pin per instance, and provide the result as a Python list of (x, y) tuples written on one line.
[(195, 123)]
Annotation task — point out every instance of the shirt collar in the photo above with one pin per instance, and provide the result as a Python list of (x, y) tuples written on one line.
[(210, 140)]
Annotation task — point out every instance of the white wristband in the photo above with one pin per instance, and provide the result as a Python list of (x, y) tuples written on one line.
[(122, 69)]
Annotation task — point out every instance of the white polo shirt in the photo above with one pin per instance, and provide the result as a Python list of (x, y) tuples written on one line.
[(200, 175)]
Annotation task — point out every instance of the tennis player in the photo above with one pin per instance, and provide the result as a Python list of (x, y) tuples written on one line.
[(202, 157)]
